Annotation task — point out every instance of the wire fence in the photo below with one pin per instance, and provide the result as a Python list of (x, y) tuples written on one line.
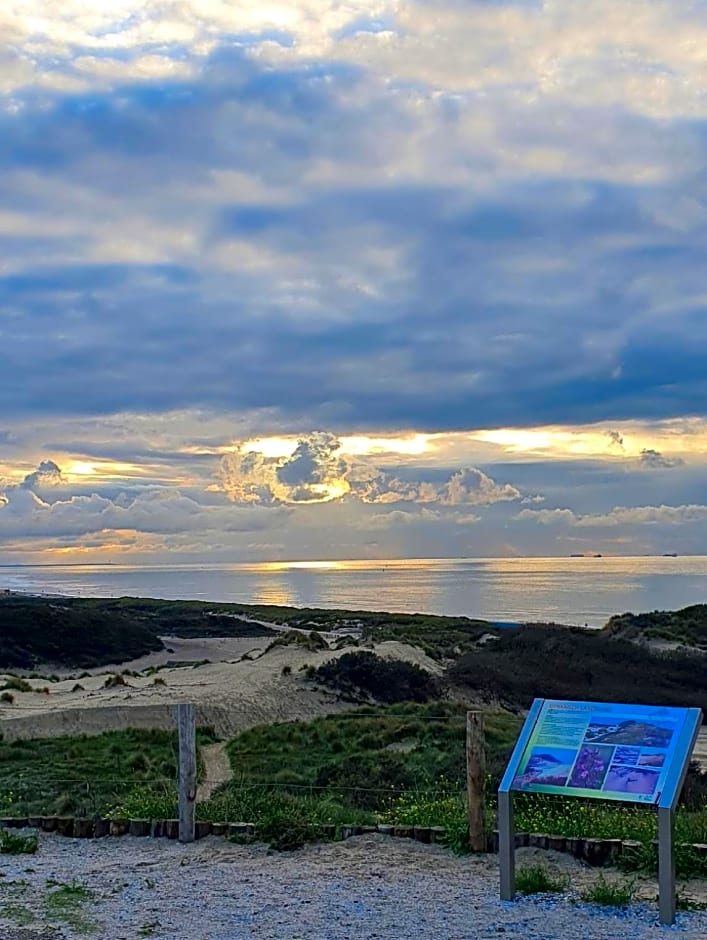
[(406, 768)]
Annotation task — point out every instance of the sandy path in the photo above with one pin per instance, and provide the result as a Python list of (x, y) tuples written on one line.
[(217, 770)]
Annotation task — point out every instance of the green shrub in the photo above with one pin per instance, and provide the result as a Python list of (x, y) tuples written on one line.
[(7, 697), (610, 893), (365, 674), (694, 792), (536, 879), (16, 684), (596, 667), (13, 844), (115, 681), (143, 802), (312, 642), (444, 806)]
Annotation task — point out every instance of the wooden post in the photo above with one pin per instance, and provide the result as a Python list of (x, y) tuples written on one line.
[(475, 779), (187, 771)]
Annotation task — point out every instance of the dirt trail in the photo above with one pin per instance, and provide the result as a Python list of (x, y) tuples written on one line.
[(217, 770)]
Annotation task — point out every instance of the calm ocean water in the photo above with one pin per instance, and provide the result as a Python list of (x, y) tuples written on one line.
[(567, 590)]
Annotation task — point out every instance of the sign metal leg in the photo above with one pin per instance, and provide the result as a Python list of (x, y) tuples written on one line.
[(506, 846), (666, 866)]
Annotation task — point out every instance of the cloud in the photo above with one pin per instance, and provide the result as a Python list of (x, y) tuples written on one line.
[(370, 217), (619, 516), (153, 510), (615, 438), (547, 516), (400, 517), (316, 197), (46, 474), (316, 471), (473, 487), (654, 460)]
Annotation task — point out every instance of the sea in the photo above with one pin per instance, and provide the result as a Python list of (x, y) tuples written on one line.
[(582, 591)]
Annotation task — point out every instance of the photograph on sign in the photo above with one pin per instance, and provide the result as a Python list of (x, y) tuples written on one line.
[(621, 752)]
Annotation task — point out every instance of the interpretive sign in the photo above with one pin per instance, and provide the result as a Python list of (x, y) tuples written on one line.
[(610, 752), (632, 753)]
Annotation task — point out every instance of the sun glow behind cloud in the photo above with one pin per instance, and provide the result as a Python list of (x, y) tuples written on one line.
[(617, 441), (358, 445)]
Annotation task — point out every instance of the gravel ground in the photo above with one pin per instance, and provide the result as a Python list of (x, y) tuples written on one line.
[(369, 887)]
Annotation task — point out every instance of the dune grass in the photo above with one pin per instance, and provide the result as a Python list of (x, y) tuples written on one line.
[(78, 775)]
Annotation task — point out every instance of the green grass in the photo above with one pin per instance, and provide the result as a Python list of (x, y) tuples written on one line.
[(283, 820), (683, 903), (13, 844), (144, 801), (79, 775), (594, 819), (367, 752), (18, 913), (444, 638), (610, 893), (444, 806), (644, 859), (536, 879), (64, 904), (149, 929)]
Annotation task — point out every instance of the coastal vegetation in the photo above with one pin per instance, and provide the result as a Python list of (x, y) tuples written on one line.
[(363, 676), (82, 774), (402, 764), (82, 633), (592, 665), (536, 879), (399, 759), (686, 627)]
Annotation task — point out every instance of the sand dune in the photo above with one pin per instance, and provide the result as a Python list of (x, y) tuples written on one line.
[(231, 696)]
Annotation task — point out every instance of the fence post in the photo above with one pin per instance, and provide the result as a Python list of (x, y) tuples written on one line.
[(475, 780), (187, 771)]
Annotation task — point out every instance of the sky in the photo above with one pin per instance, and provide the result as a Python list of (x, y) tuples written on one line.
[(363, 279)]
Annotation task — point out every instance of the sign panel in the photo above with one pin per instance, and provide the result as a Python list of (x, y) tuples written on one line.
[(605, 751)]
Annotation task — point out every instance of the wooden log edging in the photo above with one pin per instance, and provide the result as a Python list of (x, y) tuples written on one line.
[(593, 852)]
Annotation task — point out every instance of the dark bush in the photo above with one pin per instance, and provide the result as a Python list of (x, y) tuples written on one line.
[(694, 793), (83, 632), (364, 674), (564, 663)]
